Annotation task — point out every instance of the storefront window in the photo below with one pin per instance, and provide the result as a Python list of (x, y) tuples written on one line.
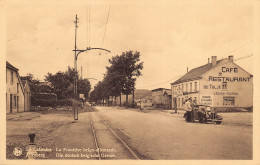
[(228, 100)]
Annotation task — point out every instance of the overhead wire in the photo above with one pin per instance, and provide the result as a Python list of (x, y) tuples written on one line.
[(241, 58), (105, 29)]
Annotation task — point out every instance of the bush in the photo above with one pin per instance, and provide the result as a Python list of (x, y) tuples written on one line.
[(53, 103), (44, 96)]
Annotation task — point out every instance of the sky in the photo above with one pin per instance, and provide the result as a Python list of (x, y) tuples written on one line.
[(171, 36)]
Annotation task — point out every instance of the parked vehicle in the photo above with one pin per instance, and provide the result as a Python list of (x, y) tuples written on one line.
[(205, 114)]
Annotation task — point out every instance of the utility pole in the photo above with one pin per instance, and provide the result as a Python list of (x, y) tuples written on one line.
[(77, 52), (75, 69)]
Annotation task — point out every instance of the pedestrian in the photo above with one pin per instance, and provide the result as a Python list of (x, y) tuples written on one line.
[(193, 111), (188, 109)]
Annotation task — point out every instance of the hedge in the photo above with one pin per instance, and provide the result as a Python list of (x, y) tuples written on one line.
[(44, 96), (53, 103)]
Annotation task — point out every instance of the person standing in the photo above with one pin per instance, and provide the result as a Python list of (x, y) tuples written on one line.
[(193, 104), (188, 109)]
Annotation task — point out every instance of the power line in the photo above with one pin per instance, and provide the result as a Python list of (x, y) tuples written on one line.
[(105, 27), (240, 47), (164, 81), (88, 25), (241, 58)]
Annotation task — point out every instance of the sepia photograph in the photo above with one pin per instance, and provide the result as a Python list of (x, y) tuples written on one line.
[(137, 80)]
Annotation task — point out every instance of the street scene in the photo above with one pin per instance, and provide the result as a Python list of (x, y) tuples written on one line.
[(123, 81), (149, 135)]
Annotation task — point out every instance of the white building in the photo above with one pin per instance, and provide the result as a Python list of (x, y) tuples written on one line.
[(14, 90), (221, 84)]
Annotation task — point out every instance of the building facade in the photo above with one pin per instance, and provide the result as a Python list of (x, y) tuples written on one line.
[(161, 98), (221, 84), (14, 90)]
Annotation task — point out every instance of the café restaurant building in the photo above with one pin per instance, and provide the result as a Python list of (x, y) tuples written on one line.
[(219, 83)]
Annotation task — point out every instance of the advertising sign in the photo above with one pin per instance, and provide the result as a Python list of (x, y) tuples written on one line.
[(206, 99), (81, 96)]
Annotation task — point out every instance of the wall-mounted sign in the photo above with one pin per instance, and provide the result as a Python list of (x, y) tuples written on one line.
[(206, 100), (211, 86), (225, 93), (81, 96), (229, 79)]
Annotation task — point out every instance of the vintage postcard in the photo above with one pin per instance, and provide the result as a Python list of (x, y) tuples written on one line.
[(129, 82)]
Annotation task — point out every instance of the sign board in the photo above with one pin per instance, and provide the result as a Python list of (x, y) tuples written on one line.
[(81, 96), (206, 99)]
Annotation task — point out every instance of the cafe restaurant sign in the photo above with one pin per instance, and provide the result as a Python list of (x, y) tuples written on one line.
[(228, 79)]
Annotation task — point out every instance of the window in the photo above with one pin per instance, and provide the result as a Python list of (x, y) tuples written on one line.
[(179, 100), (179, 89), (190, 87), (12, 77), (14, 101), (182, 101), (195, 100), (17, 87), (224, 85), (228, 100), (182, 88), (195, 86), (186, 87)]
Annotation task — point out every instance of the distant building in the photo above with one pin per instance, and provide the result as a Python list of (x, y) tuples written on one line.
[(161, 98), (14, 90), (221, 84)]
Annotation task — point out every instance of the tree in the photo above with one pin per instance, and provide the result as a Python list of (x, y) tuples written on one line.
[(129, 67), (84, 87), (63, 83)]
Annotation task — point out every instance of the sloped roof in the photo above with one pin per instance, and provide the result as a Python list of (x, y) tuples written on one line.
[(195, 73), (157, 89), (169, 93), (10, 66)]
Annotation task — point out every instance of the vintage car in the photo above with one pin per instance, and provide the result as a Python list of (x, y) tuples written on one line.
[(205, 114)]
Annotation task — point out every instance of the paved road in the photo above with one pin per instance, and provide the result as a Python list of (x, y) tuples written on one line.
[(162, 136), (149, 135)]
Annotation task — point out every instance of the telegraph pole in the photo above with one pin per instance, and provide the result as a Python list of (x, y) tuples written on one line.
[(77, 52), (75, 107)]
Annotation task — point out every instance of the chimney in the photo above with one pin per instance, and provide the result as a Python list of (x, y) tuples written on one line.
[(187, 69), (208, 61), (230, 58), (214, 60)]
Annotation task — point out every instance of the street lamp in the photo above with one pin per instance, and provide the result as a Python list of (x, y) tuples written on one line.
[(77, 52)]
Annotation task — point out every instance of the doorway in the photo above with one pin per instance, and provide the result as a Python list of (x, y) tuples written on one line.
[(11, 103)]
